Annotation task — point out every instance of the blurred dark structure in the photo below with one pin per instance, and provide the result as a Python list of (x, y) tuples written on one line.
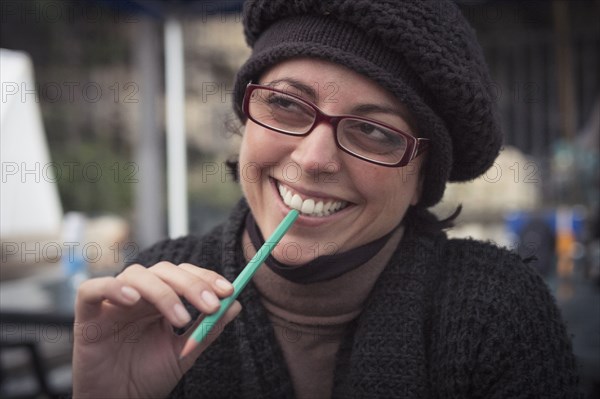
[(544, 61), (544, 58)]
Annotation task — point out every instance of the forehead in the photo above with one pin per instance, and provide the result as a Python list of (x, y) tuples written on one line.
[(326, 78), (327, 82)]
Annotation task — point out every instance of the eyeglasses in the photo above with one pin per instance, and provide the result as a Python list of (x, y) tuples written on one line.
[(363, 138)]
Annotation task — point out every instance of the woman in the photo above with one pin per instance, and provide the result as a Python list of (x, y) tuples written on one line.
[(357, 114)]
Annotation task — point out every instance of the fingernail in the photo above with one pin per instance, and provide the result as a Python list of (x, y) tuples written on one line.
[(223, 284), (130, 294), (181, 314), (210, 299)]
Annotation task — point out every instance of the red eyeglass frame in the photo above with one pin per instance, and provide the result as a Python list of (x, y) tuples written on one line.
[(415, 145)]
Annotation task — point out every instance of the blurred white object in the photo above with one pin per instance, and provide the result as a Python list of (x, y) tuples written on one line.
[(175, 112), (512, 183), (29, 201)]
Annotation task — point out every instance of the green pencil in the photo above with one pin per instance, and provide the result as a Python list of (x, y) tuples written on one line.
[(240, 283)]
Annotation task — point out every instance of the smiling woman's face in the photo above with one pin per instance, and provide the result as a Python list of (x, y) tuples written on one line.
[(361, 201)]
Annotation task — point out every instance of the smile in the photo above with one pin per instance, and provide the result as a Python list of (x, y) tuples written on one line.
[(309, 206)]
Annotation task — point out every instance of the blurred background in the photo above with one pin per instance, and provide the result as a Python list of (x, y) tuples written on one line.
[(116, 123)]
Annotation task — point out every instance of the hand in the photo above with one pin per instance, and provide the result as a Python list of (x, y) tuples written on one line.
[(124, 344)]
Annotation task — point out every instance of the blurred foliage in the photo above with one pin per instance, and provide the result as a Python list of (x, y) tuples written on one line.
[(93, 178), (210, 182)]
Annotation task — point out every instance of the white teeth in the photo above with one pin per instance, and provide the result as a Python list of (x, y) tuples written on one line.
[(287, 199), (296, 202), (309, 206), (318, 207)]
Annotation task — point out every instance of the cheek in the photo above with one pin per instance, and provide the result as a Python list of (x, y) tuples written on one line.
[(245, 149), (261, 146), (246, 158), (249, 161), (389, 191), (261, 152)]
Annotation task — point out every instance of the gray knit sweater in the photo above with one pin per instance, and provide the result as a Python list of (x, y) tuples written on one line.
[(447, 319)]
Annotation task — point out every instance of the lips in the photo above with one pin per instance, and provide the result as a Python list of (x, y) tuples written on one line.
[(316, 207)]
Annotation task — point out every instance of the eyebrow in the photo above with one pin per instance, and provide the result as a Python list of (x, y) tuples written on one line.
[(365, 109), (308, 90)]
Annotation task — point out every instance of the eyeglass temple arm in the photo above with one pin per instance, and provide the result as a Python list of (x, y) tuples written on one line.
[(422, 146)]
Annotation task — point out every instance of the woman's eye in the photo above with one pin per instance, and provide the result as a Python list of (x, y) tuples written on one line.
[(282, 102), (368, 129), (372, 131)]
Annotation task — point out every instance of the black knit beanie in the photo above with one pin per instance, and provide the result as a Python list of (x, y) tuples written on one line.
[(422, 51)]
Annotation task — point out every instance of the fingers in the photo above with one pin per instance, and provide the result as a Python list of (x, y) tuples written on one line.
[(218, 283), (201, 287), (164, 283), (157, 292), (161, 285), (93, 292)]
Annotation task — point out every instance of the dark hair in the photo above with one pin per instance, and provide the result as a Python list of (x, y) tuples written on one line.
[(421, 220)]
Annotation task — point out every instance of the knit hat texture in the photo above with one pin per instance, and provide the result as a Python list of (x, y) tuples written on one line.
[(423, 52)]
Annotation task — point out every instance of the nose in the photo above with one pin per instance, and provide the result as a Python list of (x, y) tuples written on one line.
[(317, 152)]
